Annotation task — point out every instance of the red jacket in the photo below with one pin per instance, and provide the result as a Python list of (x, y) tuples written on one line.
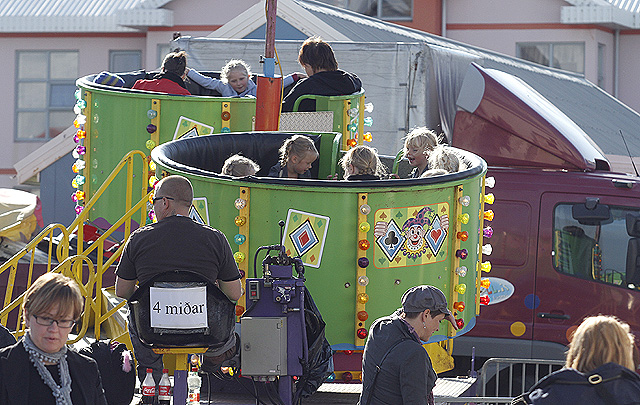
[(163, 85)]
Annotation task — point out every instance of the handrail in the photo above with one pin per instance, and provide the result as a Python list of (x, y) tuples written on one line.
[(75, 266)]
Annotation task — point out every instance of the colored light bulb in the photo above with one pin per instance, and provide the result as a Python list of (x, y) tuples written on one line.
[(363, 244), (240, 220), (362, 333), (490, 182), (363, 281), (368, 107), (485, 283), (488, 215), (485, 300), (151, 114), (78, 94), (485, 266), (239, 257), (463, 236), (487, 249), (152, 216), (368, 121), (365, 209), (363, 316), (225, 130), (74, 198), (458, 306), (364, 227), (151, 128), (460, 323), (460, 288), (331, 377), (76, 139), (462, 253), (81, 118), (80, 164), (240, 203), (464, 200), (489, 198), (353, 112), (367, 137), (347, 376), (81, 134), (363, 262), (239, 239), (226, 116), (74, 183), (150, 144), (79, 195), (152, 166), (239, 310), (363, 298), (74, 168), (487, 232), (352, 127), (152, 181), (81, 104), (79, 209), (461, 271), (464, 218), (79, 179), (81, 149), (352, 142)]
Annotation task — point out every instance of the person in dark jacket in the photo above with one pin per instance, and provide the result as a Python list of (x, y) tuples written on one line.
[(171, 77), (600, 368), (324, 78), (6, 338), (40, 369), (396, 369)]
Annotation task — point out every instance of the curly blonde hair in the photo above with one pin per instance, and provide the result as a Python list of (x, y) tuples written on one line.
[(598, 340), (298, 145), (235, 65), (421, 138), (365, 159), (239, 166), (443, 157)]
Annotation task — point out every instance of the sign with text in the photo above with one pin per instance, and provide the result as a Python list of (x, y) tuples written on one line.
[(178, 308)]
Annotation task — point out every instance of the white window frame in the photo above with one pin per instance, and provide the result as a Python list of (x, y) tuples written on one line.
[(48, 109), (115, 52), (550, 46)]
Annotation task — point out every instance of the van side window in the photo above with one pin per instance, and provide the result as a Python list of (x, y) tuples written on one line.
[(593, 251)]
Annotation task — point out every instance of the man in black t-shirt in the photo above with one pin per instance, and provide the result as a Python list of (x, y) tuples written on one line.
[(176, 242)]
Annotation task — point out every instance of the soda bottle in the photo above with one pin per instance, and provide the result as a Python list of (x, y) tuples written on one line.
[(193, 382), (148, 388), (164, 388)]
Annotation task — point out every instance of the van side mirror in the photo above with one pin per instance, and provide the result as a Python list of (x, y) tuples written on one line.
[(633, 225), (591, 212)]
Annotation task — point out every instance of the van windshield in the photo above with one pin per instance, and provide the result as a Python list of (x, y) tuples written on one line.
[(592, 252)]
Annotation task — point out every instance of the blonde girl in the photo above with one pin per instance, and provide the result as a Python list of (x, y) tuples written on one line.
[(362, 163), (296, 157), (418, 144)]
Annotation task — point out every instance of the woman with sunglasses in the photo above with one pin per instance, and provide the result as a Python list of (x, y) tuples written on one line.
[(40, 369)]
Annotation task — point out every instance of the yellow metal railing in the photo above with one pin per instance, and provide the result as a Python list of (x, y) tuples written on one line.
[(80, 267)]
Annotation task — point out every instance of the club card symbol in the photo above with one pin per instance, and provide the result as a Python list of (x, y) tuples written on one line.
[(304, 238), (391, 241), (436, 236)]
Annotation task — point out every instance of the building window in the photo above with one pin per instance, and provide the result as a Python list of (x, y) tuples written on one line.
[(163, 50), (125, 61), (601, 65), (45, 83), (383, 9), (596, 250), (560, 55)]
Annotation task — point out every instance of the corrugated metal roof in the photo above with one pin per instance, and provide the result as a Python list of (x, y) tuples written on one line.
[(632, 6), (599, 115), (74, 15)]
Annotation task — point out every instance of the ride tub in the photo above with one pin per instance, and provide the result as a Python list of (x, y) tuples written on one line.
[(363, 243)]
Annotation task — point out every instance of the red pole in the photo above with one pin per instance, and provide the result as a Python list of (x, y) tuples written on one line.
[(269, 86)]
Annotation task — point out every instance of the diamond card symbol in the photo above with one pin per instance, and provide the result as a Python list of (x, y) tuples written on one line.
[(304, 238), (435, 238), (391, 241)]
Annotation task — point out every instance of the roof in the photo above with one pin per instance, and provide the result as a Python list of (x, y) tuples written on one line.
[(82, 15), (615, 14)]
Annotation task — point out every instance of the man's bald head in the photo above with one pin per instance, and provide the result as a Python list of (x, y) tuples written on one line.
[(177, 187)]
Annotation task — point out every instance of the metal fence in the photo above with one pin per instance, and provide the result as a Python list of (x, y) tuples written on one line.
[(512, 377)]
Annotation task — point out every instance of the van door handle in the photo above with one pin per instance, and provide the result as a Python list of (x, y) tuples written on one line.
[(545, 315)]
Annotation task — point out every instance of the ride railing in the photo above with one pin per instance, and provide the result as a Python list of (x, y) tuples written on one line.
[(80, 267), (511, 377)]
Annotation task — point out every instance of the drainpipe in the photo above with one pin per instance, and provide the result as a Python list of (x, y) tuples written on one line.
[(444, 19), (616, 62)]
